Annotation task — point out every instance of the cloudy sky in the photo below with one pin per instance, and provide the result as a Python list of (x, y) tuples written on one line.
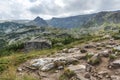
[(29, 9)]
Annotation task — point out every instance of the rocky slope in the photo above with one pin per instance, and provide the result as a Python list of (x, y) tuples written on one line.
[(91, 61)]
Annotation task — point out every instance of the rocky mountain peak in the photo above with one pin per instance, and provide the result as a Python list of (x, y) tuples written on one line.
[(38, 18), (38, 21)]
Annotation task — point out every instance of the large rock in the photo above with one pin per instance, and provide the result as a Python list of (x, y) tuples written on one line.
[(115, 64), (95, 59), (106, 53), (37, 44), (45, 64), (77, 68)]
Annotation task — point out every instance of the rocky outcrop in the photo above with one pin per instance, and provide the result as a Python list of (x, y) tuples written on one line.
[(115, 64), (45, 64), (37, 44)]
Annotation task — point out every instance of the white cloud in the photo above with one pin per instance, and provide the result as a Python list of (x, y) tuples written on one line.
[(29, 9)]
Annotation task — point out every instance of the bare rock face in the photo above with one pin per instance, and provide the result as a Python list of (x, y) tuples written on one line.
[(37, 44)]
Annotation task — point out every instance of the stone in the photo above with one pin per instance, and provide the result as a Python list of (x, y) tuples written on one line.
[(103, 73), (89, 46), (47, 67), (87, 75), (60, 67), (83, 51), (106, 53), (95, 59), (115, 64), (80, 77), (98, 44), (73, 50), (88, 68), (77, 68), (19, 69), (114, 77), (65, 50), (107, 36)]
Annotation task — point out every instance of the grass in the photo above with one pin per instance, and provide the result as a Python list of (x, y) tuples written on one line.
[(67, 75), (11, 74)]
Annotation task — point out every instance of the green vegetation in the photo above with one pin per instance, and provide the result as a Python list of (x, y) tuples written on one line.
[(112, 56), (11, 49), (67, 75)]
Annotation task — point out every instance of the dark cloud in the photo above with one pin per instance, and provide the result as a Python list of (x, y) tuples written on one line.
[(18, 9), (75, 6), (46, 8)]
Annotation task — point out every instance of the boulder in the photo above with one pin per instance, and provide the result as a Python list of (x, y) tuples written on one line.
[(115, 64), (40, 62), (106, 53), (77, 68), (83, 50), (45, 64), (95, 59), (37, 44)]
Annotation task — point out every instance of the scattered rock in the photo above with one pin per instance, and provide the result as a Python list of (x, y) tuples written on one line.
[(95, 59), (98, 44), (114, 77), (115, 64), (73, 50), (87, 75), (60, 67), (106, 53), (77, 68), (107, 36), (19, 69), (83, 51), (89, 46)]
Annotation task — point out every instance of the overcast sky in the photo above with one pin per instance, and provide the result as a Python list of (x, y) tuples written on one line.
[(29, 9)]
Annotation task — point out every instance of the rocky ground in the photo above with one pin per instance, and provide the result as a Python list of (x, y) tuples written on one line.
[(91, 61)]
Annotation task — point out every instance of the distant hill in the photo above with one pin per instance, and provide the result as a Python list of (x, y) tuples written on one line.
[(70, 22)]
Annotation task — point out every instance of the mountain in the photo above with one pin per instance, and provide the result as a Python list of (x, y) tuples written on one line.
[(70, 22), (38, 22), (9, 26), (103, 19)]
